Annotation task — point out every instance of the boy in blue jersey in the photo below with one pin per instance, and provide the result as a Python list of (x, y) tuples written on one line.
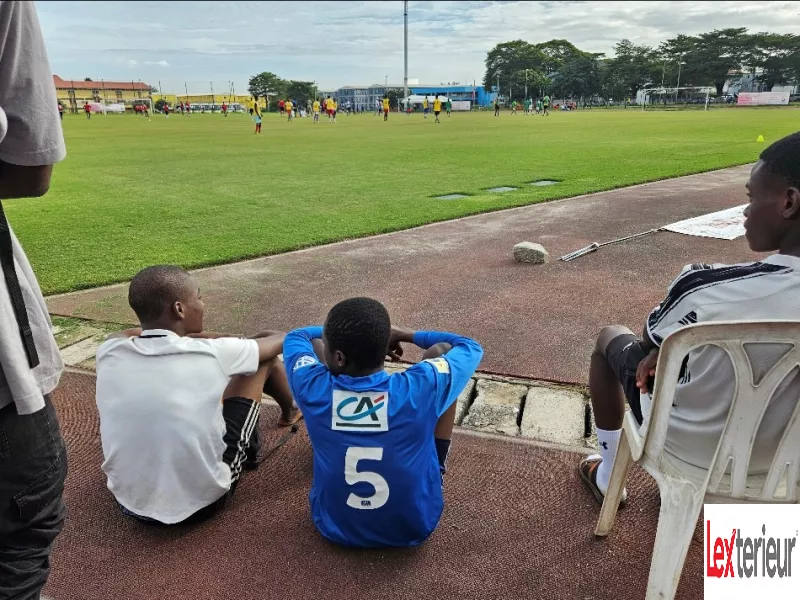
[(380, 441)]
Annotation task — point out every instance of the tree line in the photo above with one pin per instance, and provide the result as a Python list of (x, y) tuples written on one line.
[(269, 85), (561, 69)]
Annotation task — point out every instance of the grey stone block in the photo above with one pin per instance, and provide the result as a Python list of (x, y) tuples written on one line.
[(496, 407), (463, 401), (82, 351), (554, 415), (528, 252)]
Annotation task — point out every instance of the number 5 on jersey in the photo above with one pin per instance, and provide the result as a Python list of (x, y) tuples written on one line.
[(353, 476)]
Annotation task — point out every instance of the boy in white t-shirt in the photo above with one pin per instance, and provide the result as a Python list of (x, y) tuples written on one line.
[(623, 365), (178, 407)]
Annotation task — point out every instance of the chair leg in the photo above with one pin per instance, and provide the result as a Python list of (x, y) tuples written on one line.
[(619, 474), (681, 503)]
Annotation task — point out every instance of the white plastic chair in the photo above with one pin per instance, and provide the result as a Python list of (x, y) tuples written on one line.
[(684, 487)]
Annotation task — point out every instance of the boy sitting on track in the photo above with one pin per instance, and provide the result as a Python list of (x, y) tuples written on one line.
[(380, 441), (178, 407), (623, 365)]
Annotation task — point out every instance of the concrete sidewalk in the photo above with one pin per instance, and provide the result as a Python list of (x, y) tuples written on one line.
[(535, 322)]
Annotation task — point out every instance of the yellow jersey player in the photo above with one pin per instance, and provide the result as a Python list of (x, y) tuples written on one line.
[(437, 107), (315, 110), (289, 109), (385, 108)]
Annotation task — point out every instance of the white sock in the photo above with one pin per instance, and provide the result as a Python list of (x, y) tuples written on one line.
[(608, 442)]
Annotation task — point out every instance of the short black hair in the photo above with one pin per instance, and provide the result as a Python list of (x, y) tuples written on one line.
[(360, 328), (783, 158), (155, 288)]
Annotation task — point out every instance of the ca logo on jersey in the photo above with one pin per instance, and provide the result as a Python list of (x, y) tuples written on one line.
[(360, 411)]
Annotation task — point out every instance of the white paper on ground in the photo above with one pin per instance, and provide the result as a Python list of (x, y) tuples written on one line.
[(725, 224)]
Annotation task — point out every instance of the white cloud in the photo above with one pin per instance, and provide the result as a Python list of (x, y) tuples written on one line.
[(359, 42), (131, 63)]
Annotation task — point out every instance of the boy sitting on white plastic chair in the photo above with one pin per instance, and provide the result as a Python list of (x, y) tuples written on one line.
[(623, 365)]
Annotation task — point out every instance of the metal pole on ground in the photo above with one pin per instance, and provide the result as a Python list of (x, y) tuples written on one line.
[(185, 89), (105, 98), (211, 83)]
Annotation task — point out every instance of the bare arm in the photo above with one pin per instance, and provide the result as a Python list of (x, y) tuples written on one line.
[(208, 335), (270, 347), (24, 182)]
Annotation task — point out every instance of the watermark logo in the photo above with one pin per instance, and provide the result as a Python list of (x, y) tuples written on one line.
[(751, 548)]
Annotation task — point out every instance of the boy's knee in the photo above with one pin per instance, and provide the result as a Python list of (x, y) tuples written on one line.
[(436, 350), (607, 335)]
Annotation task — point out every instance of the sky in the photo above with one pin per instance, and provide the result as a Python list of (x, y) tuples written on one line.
[(191, 44)]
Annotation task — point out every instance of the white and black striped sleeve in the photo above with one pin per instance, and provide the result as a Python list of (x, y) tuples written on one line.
[(692, 289)]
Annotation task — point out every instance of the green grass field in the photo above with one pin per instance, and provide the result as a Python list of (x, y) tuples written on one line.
[(205, 190)]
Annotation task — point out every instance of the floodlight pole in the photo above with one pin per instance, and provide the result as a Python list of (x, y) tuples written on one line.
[(405, 49)]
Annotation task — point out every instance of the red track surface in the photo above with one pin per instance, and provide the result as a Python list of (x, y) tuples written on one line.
[(534, 321), (517, 524)]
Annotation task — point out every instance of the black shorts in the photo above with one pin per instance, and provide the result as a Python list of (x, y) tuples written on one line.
[(241, 443), (624, 354), (436, 112)]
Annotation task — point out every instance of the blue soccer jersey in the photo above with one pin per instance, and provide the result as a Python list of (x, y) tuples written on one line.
[(376, 473)]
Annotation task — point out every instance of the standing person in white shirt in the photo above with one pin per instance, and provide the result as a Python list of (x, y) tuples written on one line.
[(623, 365), (178, 407), (33, 458)]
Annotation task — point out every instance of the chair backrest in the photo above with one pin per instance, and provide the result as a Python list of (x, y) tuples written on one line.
[(753, 392)]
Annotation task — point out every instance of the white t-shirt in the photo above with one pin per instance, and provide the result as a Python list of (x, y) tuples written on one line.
[(34, 138), (769, 289), (161, 425)]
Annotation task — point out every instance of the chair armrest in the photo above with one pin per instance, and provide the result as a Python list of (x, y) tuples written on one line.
[(635, 439)]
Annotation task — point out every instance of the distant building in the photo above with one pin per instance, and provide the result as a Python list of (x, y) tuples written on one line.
[(74, 93), (471, 93), (366, 96), (743, 81)]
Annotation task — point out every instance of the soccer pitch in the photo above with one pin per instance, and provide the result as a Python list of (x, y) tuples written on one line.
[(205, 190)]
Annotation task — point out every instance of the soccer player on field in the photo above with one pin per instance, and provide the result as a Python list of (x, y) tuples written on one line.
[(289, 106), (281, 106), (257, 115), (88, 110), (425, 107), (315, 109), (437, 108), (513, 107), (539, 106), (334, 108), (385, 107), (496, 108), (224, 109), (166, 110), (545, 105), (448, 106), (380, 441), (329, 108)]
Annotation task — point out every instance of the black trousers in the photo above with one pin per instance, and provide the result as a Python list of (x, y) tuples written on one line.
[(33, 467)]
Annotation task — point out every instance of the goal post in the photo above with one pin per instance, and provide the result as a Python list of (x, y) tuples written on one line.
[(660, 97)]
